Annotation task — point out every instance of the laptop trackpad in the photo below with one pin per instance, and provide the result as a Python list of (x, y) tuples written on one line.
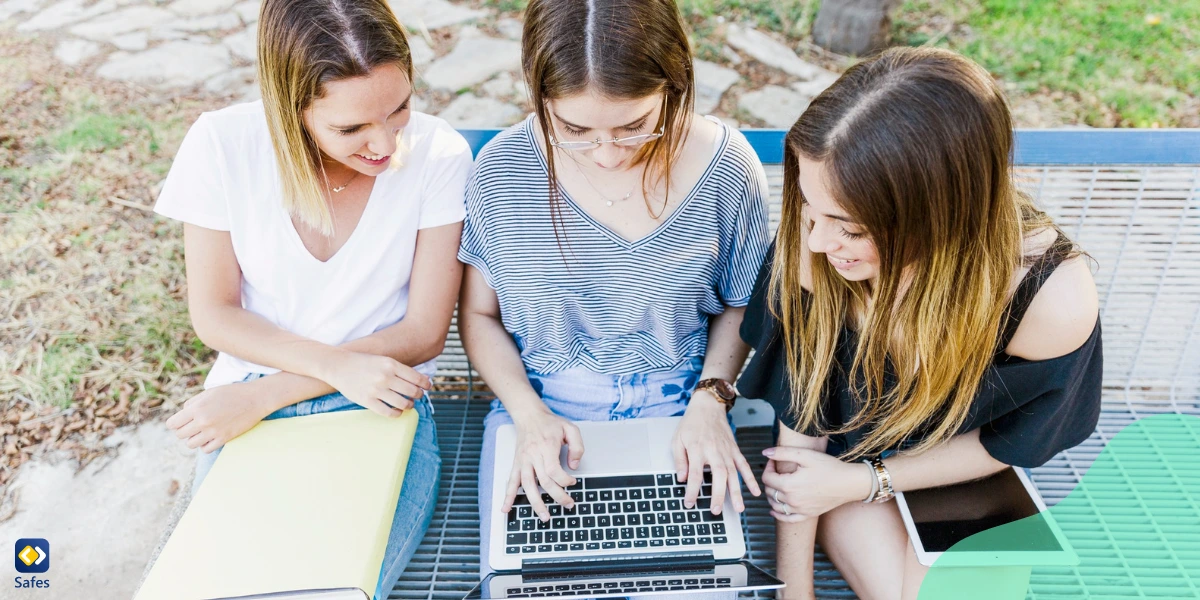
[(618, 450)]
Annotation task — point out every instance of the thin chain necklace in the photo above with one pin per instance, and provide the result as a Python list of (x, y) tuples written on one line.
[(607, 201), (347, 184)]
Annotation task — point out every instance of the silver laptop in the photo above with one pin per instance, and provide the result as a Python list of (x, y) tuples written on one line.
[(628, 532)]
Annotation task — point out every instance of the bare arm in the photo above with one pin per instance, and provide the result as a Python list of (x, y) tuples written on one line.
[(726, 352), (961, 458), (540, 433), (822, 483), (492, 350), (418, 337)]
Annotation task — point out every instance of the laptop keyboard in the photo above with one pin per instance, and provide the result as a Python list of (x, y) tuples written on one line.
[(616, 512), (628, 586)]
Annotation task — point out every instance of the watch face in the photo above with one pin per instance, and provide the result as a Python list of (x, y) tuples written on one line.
[(721, 388), (726, 390)]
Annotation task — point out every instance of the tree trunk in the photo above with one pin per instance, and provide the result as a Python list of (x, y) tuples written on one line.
[(854, 27)]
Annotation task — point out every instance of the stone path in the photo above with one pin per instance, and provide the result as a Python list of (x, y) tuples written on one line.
[(468, 59)]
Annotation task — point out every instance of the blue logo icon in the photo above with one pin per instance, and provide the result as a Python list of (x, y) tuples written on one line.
[(32, 555)]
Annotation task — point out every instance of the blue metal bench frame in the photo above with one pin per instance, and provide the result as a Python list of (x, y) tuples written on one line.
[(1057, 147), (1134, 164)]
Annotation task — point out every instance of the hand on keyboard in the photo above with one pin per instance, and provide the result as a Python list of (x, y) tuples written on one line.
[(617, 512), (540, 438), (702, 439)]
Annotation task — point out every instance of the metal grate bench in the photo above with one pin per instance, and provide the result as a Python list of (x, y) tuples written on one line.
[(1131, 198)]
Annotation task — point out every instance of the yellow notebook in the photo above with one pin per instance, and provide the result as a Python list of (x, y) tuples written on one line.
[(293, 505)]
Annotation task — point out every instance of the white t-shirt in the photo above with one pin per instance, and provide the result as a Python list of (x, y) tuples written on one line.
[(225, 177)]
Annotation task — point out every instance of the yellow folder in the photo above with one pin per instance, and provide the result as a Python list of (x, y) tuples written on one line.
[(303, 503)]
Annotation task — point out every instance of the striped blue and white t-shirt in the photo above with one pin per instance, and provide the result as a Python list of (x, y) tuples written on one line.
[(602, 302)]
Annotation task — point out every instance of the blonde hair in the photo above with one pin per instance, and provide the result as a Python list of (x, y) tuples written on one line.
[(917, 145), (303, 45)]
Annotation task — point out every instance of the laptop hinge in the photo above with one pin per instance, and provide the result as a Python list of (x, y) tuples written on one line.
[(625, 563)]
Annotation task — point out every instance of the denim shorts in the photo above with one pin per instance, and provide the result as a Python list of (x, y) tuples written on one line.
[(582, 395), (418, 494)]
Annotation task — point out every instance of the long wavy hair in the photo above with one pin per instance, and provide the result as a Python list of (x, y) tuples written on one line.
[(916, 144), (620, 49), (303, 45)]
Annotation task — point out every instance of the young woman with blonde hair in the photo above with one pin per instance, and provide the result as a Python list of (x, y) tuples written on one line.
[(917, 312), (611, 242), (320, 231)]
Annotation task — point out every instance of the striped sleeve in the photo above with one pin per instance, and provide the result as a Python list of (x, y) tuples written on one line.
[(749, 244), (474, 249)]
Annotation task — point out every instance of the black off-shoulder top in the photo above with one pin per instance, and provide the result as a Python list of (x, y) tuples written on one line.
[(1026, 410)]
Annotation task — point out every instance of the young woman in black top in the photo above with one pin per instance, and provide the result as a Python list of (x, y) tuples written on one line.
[(914, 307)]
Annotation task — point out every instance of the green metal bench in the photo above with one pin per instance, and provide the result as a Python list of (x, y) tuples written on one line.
[(1130, 197)]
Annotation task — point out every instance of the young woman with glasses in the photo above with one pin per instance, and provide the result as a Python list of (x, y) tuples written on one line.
[(611, 241)]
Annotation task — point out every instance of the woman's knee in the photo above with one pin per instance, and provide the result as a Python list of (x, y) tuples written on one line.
[(868, 545)]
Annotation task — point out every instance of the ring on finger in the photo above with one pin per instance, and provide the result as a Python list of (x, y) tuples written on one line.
[(786, 510), (777, 497)]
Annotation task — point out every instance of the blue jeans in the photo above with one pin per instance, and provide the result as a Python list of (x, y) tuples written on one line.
[(418, 494), (582, 395)]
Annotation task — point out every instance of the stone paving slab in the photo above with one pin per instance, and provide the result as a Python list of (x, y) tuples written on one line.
[(711, 82), (65, 13), (470, 111), (433, 14), (776, 106), (473, 61), (73, 51), (770, 52), (172, 64)]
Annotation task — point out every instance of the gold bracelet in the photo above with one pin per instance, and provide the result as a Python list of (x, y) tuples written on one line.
[(885, 482)]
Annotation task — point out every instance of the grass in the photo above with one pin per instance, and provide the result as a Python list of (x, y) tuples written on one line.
[(509, 6), (93, 319), (91, 132), (789, 17), (1127, 63)]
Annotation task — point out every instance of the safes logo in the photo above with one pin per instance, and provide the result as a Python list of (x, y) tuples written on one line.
[(32, 555)]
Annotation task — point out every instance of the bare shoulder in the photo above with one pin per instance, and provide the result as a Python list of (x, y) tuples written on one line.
[(1062, 315)]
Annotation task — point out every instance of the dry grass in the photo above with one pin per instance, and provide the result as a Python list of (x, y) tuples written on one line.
[(93, 326)]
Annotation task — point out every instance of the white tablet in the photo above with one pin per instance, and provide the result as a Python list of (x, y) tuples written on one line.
[(939, 518)]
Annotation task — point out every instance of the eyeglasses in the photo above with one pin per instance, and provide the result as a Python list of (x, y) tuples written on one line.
[(632, 141)]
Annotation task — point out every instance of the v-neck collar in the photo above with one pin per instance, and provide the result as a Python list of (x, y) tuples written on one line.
[(604, 229), (363, 219)]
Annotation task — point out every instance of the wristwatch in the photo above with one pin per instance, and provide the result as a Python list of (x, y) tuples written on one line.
[(723, 390)]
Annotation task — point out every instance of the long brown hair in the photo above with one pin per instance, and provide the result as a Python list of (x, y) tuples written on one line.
[(620, 49), (303, 45), (916, 145)]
